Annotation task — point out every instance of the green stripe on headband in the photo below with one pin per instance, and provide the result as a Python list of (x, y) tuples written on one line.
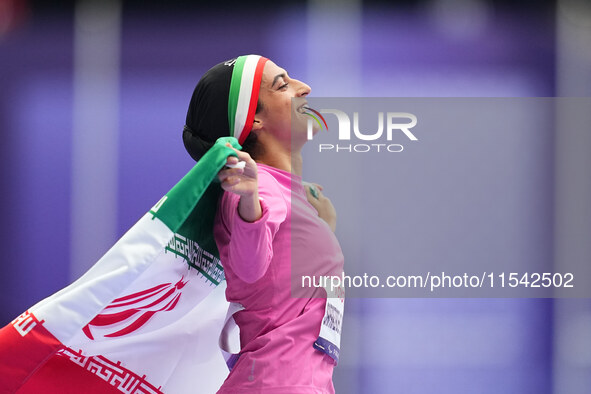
[(234, 92)]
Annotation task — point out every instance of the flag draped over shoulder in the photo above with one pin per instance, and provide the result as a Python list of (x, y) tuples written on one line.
[(145, 318)]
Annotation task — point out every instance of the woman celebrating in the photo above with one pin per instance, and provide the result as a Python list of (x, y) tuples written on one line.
[(270, 229)]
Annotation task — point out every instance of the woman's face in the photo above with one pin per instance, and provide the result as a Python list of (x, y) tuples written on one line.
[(277, 117)]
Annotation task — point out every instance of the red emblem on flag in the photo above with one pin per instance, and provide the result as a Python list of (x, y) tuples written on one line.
[(137, 308)]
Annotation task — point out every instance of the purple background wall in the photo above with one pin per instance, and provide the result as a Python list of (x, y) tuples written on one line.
[(402, 50)]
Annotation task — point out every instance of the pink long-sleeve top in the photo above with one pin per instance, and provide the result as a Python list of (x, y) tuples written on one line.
[(277, 327)]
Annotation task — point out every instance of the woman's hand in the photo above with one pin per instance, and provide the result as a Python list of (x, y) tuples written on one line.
[(322, 204), (243, 182)]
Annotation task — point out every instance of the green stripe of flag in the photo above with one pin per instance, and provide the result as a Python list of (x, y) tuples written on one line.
[(184, 196)]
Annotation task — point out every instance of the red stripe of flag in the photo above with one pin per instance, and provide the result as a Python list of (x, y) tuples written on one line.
[(21, 355)]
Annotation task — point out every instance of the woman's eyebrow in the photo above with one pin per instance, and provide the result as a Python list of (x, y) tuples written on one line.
[(282, 75)]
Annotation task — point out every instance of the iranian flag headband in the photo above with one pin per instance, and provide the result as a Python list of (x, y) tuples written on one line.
[(244, 94)]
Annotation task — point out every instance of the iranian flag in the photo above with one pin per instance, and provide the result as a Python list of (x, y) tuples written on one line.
[(146, 318)]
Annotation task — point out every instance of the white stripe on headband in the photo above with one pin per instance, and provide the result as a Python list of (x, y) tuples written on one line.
[(244, 93)]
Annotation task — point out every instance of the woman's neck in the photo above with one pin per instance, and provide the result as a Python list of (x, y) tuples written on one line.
[(277, 155)]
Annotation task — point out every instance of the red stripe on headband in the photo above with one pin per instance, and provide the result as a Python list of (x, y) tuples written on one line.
[(254, 96)]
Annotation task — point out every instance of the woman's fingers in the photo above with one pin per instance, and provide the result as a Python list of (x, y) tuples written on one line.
[(229, 183), (232, 160), (241, 175), (226, 173), (314, 190), (242, 156), (322, 204)]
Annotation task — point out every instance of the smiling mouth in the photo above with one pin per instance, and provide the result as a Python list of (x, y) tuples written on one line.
[(302, 109)]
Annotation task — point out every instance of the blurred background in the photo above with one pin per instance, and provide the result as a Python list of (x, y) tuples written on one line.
[(93, 97)]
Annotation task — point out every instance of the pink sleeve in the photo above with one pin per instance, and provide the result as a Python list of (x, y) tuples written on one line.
[(251, 244)]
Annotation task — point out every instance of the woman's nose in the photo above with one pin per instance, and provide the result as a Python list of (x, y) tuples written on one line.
[(303, 89)]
